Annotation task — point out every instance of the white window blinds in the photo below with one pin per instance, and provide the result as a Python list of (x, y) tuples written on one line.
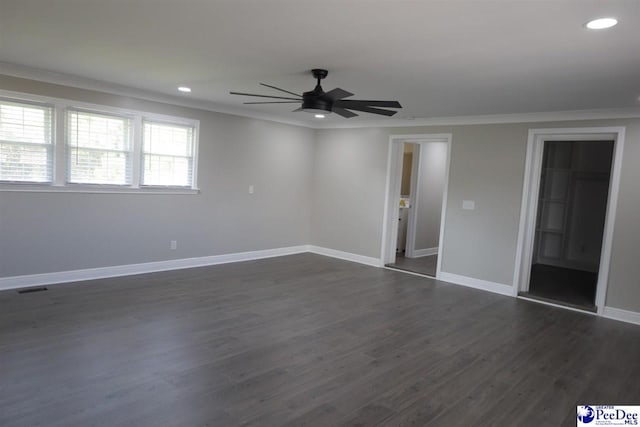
[(26, 149), (99, 148), (167, 154)]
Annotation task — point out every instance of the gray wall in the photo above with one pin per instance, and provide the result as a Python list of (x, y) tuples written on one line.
[(487, 166), (433, 165), (47, 232), (348, 205), (624, 273), (322, 187)]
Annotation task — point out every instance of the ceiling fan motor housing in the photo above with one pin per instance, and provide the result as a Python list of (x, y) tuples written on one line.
[(312, 102)]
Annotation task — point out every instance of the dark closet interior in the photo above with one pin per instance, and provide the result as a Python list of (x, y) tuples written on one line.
[(572, 205)]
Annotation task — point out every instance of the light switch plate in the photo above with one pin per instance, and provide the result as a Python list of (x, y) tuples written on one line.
[(251, 189), (468, 205)]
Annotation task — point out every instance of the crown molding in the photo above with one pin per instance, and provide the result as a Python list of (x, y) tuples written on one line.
[(46, 76), (549, 116), (22, 71)]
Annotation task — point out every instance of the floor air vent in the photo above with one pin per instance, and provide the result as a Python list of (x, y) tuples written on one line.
[(30, 290)]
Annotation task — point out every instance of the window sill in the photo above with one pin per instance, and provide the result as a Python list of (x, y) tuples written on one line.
[(97, 189)]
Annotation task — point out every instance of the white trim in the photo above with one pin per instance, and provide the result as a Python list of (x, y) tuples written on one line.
[(97, 189), (347, 256), (485, 285), (21, 71), (413, 273), (610, 221), (16, 282), (528, 213), (531, 185), (534, 117), (74, 105), (392, 192), (443, 214), (414, 191), (24, 72), (621, 315), (418, 253), (136, 155), (538, 301), (148, 267), (64, 106), (391, 202)]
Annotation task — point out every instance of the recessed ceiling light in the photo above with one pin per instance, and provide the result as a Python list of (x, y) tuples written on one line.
[(184, 89), (601, 23), (319, 116)]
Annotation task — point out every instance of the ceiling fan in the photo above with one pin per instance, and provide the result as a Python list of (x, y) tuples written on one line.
[(320, 102)]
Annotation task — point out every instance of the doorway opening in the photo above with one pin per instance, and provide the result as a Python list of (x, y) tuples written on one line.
[(569, 201), (416, 195)]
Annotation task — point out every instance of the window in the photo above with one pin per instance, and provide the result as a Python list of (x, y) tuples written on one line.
[(51, 144), (26, 143), (99, 149), (167, 154)]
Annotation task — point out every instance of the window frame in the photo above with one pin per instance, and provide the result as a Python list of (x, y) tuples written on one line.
[(68, 146), (194, 149), (60, 109), (52, 137)]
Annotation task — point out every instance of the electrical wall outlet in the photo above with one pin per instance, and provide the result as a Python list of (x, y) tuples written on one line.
[(251, 189), (174, 245), (468, 205)]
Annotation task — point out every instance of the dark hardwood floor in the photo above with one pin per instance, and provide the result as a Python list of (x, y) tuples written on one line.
[(574, 288), (302, 340), (421, 265)]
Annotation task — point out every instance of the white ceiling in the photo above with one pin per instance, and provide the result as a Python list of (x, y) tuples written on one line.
[(438, 58)]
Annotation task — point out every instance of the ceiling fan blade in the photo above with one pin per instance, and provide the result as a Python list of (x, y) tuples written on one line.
[(273, 102), (336, 94), (349, 103), (344, 113), (281, 90), (370, 110), (262, 96)]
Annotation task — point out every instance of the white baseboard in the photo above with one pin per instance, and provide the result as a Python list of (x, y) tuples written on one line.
[(148, 267), (417, 253), (347, 256), (622, 315), (470, 282), (15, 282)]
